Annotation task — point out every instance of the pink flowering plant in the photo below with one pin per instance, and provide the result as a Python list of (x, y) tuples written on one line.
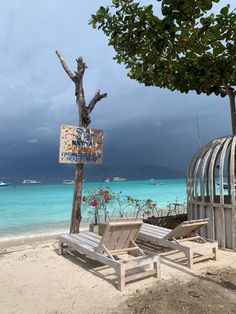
[(143, 207), (122, 207), (98, 203), (104, 203)]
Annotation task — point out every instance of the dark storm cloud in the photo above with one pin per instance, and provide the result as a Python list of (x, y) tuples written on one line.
[(142, 125), (167, 136)]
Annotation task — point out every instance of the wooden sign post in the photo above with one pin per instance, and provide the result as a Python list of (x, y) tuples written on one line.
[(84, 121)]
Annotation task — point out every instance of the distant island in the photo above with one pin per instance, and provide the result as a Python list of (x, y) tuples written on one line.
[(99, 173), (96, 173)]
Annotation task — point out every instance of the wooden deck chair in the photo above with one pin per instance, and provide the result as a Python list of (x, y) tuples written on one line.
[(183, 238), (118, 238)]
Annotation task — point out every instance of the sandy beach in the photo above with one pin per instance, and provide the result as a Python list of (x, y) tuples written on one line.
[(35, 279)]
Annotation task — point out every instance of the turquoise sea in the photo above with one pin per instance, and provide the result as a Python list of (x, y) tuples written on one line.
[(34, 209)]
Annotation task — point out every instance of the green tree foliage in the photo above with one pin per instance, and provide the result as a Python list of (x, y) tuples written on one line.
[(184, 47)]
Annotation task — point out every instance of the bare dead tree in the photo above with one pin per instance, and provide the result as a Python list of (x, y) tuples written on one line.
[(84, 121)]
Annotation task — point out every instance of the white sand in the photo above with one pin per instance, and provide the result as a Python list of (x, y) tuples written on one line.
[(35, 279)]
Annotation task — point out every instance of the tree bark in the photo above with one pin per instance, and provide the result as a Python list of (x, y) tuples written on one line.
[(76, 215), (84, 121), (231, 92), (232, 110)]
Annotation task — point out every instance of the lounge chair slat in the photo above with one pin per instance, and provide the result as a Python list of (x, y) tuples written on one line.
[(88, 235), (104, 240), (154, 234), (120, 233), (185, 228), (85, 241), (124, 239), (139, 262), (114, 238), (140, 275), (155, 230), (68, 238), (146, 225), (147, 233), (94, 235), (86, 238), (133, 234), (128, 223)]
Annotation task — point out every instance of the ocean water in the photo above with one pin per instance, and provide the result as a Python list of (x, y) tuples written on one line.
[(35, 209)]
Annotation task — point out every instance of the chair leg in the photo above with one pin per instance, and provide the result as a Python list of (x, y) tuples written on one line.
[(60, 248), (215, 251), (189, 255), (121, 278), (157, 268)]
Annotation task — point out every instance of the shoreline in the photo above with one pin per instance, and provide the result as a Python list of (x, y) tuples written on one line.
[(16, 243), (38, 230), (51, 229)]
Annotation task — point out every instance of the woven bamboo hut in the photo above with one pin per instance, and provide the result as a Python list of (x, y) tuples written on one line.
[(211, 190)]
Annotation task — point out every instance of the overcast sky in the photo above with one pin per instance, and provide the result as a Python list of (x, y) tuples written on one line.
[(143, 125)]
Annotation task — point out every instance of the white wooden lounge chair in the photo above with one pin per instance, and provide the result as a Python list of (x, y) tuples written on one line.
[(118, 238), (183, 238)]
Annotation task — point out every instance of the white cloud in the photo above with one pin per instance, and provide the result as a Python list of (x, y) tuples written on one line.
[(32, 141)]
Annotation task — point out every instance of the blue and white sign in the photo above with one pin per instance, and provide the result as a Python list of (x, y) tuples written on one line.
[(80, 145)]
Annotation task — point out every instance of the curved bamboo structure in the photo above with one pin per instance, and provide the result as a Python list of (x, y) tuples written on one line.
[(211, 190)]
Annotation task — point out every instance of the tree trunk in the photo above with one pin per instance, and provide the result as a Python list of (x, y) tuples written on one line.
[(76, 208), (233, 113), (76, 215), (84, 121)]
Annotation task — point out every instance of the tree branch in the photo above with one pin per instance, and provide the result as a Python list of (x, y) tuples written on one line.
[(79, 92), (97, 97), (81, 66), (224, 89), (65, 67), (228, 90)]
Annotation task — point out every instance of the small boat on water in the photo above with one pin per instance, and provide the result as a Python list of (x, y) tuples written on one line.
[(68, 182), (30, 182), (107, 180), (3, 184), (155, 182), (116, 179)]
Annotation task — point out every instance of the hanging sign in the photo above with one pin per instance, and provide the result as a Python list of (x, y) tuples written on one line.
[(80, 145)]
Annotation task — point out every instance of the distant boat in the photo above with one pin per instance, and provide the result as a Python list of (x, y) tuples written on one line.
[(68, 182), (107, 180), (4, 184), (30, 182), (119, 179), (154, 182)]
